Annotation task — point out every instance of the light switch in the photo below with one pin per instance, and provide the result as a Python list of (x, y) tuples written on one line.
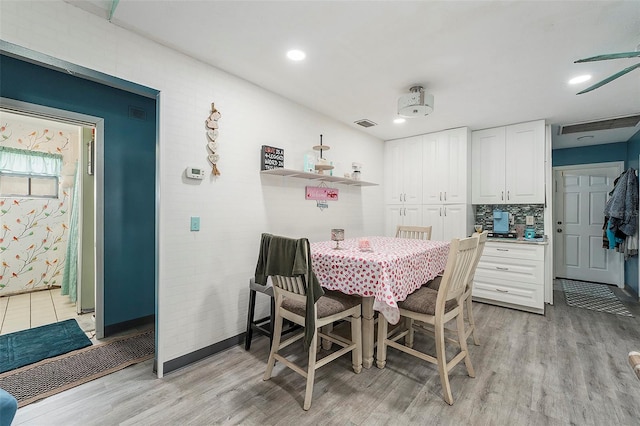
[(195, 223)]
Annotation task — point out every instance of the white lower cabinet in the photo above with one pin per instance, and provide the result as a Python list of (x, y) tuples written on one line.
[(511, 275), (401, 214)]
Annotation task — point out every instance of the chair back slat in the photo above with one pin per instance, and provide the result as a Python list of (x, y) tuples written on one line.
[(414, 232), (482, 239), (456, 273), (293, 285)]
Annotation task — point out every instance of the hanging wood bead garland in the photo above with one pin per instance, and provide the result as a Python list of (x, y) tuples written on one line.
[(212, 134)]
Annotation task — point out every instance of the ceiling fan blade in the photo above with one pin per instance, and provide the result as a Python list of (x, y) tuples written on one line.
[(610, 79), (621, 55)]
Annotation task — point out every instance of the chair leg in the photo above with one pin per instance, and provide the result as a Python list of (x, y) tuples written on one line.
[(356, 337), (381, 352), (311, 372), (463, 345), (326, 344), (442, 363), (275, 346), (472, 322), (252, 307), (408, 340), (272, 320)]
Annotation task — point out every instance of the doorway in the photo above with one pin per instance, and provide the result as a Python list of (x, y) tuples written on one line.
[(580, 194), (42, 226)]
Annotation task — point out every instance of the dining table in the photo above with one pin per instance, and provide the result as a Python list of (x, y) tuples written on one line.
[(383, 270)]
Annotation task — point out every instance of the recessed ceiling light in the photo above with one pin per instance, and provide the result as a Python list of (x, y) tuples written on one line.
[(580, 79), (296, 55), (399, 120)]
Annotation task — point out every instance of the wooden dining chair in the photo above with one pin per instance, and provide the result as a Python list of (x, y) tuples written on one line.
[(414, 232), (436, 308), (291, 304), (468, 304)]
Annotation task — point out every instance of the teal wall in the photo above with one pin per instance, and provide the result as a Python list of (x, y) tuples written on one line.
[(589, 154), (129, 177), (620, 151), (631, 265)]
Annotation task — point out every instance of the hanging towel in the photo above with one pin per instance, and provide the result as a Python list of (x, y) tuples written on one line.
[(290, 257)]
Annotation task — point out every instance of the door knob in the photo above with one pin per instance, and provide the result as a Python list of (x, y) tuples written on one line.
[(559, 230)]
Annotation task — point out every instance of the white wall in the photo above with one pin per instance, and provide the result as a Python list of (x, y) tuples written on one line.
[(203, 275)]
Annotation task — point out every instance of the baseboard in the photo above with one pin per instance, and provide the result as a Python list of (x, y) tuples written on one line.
[(192, 357), (126, 325)]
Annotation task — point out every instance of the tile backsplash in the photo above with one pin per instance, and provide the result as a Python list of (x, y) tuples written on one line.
[(484, 215)]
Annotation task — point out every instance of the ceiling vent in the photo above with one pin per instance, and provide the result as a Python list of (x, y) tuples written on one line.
[(365, 123), (415, 104), (593, 126)]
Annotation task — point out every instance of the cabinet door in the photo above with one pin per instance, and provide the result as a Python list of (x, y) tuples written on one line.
[(392, 218), (433, 171), (393, 158), (454, 165), (524, 177), (432, 216), (488, 166), (412, 215), (455, 221), (412, 170)]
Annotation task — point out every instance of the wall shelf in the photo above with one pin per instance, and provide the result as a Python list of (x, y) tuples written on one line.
[(314, 176)]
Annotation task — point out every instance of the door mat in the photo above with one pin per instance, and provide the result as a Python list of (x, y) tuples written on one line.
[(596, 297), (51, 376), (28, 346)]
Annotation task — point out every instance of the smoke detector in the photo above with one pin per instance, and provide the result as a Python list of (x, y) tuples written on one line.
[(417, 103)]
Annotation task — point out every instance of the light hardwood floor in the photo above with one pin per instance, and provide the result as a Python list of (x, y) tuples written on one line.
[(567, 367)]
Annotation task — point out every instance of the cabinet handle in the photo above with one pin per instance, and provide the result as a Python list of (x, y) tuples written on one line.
[(445, 195), (502, 195), (440, 195), (400, 198), (405, 197), (508, 195), (445, 210), (502, 291), (501, 269), (440, 211), (405, 211), (502, 249)]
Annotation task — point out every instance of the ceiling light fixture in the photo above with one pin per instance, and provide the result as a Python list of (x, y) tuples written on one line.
[(415, 104), (399, 120), (296, 55), (581, 138), (580, 79)]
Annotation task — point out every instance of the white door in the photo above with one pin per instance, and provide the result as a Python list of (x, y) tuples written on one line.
[(580, 197)]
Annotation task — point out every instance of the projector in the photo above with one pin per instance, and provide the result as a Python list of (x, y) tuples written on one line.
[(416, 103)]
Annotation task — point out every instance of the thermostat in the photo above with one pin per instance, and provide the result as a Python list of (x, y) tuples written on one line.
[(195, 173)]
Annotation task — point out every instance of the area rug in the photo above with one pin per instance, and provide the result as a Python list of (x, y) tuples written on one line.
[(37, 381), (596, 297), (28, 346)]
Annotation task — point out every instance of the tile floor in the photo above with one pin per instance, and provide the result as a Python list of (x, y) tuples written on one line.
[(29, 310)]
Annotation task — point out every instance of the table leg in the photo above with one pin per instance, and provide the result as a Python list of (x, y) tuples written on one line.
[(367, 332)]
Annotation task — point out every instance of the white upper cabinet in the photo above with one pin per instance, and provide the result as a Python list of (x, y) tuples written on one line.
[(403, 171), (508, 164), (445, 173)]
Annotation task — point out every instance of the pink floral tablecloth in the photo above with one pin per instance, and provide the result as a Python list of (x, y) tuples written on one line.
[(393, 269)]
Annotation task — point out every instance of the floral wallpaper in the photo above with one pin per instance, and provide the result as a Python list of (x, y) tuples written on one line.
[(33, 231)]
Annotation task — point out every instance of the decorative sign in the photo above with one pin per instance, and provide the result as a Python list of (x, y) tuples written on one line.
[(321, 193), (271, 158)]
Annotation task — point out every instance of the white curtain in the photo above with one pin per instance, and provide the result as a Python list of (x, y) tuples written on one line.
[(31, 163)]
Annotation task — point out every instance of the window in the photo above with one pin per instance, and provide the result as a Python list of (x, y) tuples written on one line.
[(29, 173)]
